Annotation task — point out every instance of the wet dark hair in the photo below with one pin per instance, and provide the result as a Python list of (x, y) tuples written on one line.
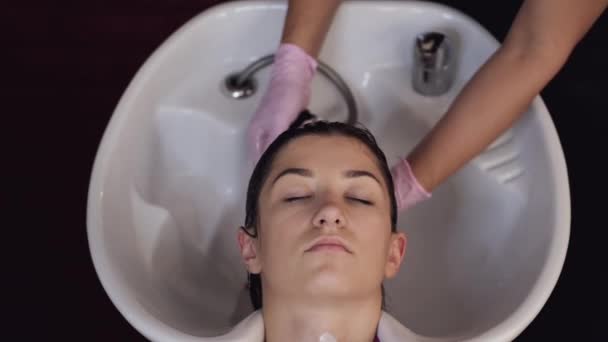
[(262, 169)]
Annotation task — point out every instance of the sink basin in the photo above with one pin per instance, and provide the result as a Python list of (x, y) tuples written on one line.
[(168, 186)]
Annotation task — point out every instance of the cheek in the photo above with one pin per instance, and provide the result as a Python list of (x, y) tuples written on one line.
[(374, 233), (282, 232), (377, 219), (286, 219)]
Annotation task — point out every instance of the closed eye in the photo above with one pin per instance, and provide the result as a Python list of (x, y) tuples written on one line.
[(296, 198), (360, 200)]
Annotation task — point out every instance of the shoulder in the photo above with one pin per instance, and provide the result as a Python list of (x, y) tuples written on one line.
[(390, 329)]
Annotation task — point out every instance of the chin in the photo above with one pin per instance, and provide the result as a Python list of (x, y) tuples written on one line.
[(329, 283), (332, 275)]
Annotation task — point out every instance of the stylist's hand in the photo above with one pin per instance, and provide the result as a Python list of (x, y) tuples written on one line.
[(408, 191), (287, 95)]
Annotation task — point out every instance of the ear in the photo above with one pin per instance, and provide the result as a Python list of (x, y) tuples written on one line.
[(396, 252), (248, 247)]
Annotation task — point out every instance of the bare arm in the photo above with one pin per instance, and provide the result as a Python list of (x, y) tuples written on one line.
[(307, 23), (538, 44)]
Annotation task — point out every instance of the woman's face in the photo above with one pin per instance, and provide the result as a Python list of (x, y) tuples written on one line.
[(323, 192)]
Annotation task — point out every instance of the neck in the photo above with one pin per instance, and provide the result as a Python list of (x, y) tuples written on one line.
[(307, 320)]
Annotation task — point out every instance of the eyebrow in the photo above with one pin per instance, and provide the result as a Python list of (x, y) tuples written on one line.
[(308, 173), (361, 173), (293, 171)]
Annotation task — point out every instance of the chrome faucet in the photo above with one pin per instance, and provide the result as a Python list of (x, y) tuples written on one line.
[(433, 70)]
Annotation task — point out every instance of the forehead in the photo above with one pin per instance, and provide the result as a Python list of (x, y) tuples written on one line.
[(326, 153)]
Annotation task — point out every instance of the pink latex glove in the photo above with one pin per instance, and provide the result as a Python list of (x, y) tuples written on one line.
[(287, 95), (407, 189)]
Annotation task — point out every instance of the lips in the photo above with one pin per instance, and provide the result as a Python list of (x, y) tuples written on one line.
[(329, 243)]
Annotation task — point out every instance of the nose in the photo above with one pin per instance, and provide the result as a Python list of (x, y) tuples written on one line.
[(329, 216)]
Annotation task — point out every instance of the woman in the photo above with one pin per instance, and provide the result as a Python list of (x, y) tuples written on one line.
[(320, 237), (538, 44)]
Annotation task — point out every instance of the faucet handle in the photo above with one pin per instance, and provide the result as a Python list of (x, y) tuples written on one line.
[(433, 71)]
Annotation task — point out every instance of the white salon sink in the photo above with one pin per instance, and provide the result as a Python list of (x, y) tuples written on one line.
[(168, 187)]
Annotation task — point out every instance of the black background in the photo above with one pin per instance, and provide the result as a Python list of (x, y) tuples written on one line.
[(66, 64)]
